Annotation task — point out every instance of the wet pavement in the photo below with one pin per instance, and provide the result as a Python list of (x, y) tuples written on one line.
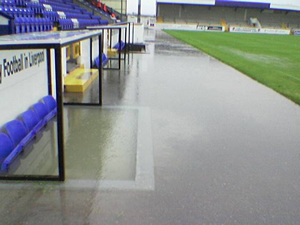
[(226, 149)]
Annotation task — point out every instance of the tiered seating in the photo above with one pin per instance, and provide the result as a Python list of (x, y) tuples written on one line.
[(18, 133), (7, 3), (78, 16), (16, 12), (26, 25), (52, 15), (101, 9), (43, 15), (66, 24)]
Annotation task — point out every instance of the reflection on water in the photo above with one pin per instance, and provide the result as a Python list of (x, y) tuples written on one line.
[(100, 143), (90, 95)]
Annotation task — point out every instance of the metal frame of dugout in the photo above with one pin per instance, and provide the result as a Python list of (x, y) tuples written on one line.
[(48, 41), (110, 28)]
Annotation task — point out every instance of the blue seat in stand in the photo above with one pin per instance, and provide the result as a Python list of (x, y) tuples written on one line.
[(18, 25)]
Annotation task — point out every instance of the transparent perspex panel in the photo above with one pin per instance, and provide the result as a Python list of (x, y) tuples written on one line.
[(28, 124), (80, 73)]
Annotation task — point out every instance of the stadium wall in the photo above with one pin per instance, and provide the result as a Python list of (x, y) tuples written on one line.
[(233, 16)]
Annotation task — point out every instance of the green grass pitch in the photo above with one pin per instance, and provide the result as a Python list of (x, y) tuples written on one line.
[(272, 60)]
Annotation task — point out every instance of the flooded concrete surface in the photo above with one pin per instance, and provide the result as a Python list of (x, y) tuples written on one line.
[(100, 143), (226, 149)]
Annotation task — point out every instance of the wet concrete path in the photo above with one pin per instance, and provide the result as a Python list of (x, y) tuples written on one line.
[(226, 149)]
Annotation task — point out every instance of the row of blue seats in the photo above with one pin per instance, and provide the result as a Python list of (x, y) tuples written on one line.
[(7, 3), (104, 60), (62, 4), (81, 16), (17, 12), (88, 22), (64, 9), (39, 8), (24, 2), (69, 24), (27, 25), (54, 16), (49, 1), (18, 133)]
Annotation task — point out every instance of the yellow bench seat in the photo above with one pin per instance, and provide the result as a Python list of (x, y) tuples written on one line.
[(79, 79)]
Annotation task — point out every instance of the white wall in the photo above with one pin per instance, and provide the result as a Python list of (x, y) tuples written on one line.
[(279, 2), (95, 48), (148, 7), (85, 53), (132, 6), (202, 2), (139, 33), (20, 90)]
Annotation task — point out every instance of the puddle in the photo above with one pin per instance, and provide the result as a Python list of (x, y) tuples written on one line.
[(100, 143)]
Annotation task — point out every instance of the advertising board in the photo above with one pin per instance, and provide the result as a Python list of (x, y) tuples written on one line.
[(214, 28), (243, 30), (297, 32), (191, 27), (23, 81), (259, 30)]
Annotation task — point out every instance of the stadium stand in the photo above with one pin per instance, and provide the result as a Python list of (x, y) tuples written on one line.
[(98, 9), (44, 15), (233, 16)]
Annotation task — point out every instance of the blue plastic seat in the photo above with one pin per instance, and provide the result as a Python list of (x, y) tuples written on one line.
[(66, 24), (18, 25), (8, 152), (33, 27), (6, 146), (26, 27), (29, 119), (31, 122), (50, 102), (16, 130), (120, 46), (51, 105), (104, 60), (97, 62), (103, 22), (18, 133), (41, 111)]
